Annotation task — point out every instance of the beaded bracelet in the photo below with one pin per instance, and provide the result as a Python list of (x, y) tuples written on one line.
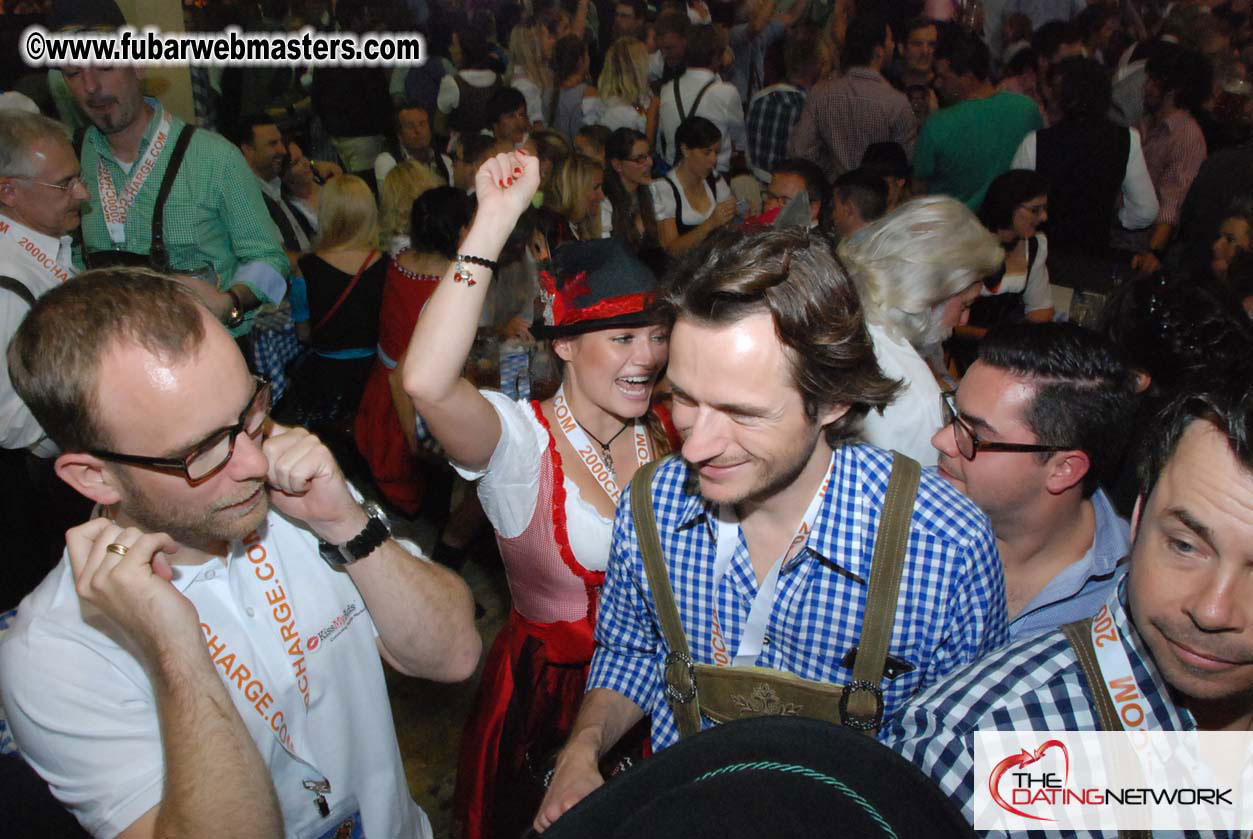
[(461, 274)]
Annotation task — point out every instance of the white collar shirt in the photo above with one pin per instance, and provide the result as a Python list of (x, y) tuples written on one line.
[(720, 105), (41, 263), (280, 627)]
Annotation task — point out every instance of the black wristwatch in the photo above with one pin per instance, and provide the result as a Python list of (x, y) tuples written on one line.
[(375, 533)]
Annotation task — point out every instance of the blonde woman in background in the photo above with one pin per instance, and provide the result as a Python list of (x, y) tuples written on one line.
[(342, 292), (530, 54), (626, 100), (399, 190), (572, 204)]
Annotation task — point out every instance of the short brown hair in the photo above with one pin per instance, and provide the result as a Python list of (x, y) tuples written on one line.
[(795, 276), (54, 359)]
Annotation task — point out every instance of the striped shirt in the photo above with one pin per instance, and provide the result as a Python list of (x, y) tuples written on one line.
[(844, 115), (1174, 149), (950, 611)]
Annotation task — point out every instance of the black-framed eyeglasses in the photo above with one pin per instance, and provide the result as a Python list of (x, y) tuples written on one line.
[(210, 455), (968, 442)]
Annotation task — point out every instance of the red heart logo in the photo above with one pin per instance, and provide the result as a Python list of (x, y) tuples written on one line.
[(1024, 758)]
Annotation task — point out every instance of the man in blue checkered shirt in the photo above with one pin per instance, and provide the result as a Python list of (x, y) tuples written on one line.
[(772, 369), (1182, 618)]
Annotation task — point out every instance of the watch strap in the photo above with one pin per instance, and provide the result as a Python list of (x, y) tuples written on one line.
[(374, 534)]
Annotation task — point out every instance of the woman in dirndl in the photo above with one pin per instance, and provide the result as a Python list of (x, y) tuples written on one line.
[(549, 476)]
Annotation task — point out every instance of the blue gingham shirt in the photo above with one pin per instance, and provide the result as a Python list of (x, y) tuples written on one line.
[(1033, 685), (950, 611)]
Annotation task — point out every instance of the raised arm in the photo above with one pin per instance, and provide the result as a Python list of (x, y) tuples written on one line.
[(423, 612), (456, 414)]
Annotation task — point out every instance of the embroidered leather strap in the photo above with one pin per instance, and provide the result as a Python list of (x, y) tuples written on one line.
[(1079, 634)]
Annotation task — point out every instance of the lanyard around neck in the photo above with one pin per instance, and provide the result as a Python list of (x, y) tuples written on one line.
[(1120, 682), (588, 451), (728, 532)]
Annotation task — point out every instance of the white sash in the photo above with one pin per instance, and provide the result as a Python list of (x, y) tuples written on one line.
[(728, 537), (44, 261), (589, 452), (279, 699), (1120, 683), (117, 206)]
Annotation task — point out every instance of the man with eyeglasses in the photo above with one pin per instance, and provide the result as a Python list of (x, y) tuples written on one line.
[(40, 196), (1169, 648), (1039, 421), (208, 225), (206, 660)]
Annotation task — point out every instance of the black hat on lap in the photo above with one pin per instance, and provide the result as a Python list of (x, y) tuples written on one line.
[(778, 777)]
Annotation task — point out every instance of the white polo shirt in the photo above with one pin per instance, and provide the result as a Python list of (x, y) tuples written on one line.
[(40, 262), (296, 649)]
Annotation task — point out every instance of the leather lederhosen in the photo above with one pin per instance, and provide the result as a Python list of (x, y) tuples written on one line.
[(724, 693)]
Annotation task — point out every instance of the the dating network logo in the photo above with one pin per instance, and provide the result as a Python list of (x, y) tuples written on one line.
[(1027, 788)]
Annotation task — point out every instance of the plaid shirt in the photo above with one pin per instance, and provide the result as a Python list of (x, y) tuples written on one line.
[(771, 115), (951, 609), (846, 114), (1034, 685)]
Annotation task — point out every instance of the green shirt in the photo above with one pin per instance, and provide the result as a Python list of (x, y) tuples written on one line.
[(964, 147), (215, 217)]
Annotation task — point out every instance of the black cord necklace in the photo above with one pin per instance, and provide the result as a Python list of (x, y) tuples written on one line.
[(604, 447)]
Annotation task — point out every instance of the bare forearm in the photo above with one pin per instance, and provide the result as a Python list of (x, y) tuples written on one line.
[(604, 717), (444, 334), (216, 783), (423, 612), (691, 239)]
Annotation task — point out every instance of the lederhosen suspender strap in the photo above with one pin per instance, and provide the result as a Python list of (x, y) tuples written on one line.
[(861, 701), (1079, 634), (157, 256), (13, 285), (678, 98), (886, 568), (157, 253), (679, 224), (678, 103), (680, 678)]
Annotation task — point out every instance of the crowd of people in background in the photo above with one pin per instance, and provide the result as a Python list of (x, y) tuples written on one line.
[(1027, 225)]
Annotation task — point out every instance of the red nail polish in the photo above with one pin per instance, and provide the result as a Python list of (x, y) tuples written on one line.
[(510, 182), (517, 170), (502, 184)]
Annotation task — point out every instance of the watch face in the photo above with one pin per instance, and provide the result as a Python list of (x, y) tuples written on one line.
[(374, 511)]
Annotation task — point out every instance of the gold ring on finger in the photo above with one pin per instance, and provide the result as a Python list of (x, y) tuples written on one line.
[(115, 548)]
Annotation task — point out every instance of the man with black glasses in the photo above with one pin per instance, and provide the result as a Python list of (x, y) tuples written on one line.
[(193, 667), (1040, 419)]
